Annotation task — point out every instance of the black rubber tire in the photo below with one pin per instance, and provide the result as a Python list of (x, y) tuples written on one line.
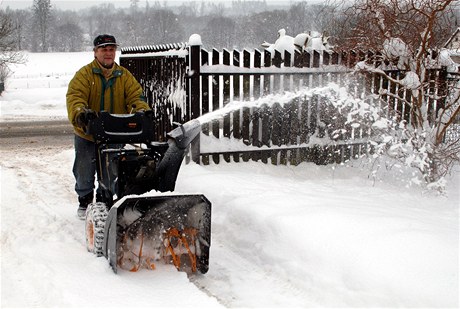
[(96, 215)]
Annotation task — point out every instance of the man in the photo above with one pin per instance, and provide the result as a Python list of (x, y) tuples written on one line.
[(102, 85)]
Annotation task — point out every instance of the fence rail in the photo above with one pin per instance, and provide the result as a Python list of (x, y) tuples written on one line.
[(184, 82)]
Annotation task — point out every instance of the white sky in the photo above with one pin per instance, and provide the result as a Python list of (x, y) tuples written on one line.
[(79, 4), (65, 4)]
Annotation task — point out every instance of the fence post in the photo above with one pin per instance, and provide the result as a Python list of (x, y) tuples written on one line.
[(194, 75), (194, 89)]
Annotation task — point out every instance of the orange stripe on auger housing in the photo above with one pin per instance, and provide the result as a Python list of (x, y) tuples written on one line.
[(182, 241), (136, 267)]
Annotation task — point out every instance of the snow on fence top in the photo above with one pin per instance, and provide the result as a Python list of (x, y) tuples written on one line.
[(152, 48)]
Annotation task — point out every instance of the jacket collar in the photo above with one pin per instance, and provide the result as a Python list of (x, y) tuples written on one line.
[(96, 68)]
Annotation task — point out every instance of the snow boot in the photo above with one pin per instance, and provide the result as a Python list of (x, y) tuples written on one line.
[(84, 202)]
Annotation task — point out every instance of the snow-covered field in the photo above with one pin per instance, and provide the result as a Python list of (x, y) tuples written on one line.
[(284, 236)]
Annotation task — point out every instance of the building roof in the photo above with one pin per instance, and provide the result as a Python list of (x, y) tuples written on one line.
[(454, 35)]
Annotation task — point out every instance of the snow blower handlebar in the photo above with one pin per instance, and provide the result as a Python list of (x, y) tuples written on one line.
[(137, 127), (121, 128)]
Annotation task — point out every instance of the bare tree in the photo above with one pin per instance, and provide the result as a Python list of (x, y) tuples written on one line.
[(406, 35), (162, 26), (42, 18), (8, 51), (260, 27), (220, 31), (68, 37), (419, 23), (104, 17), (19, 17), (134, 5)]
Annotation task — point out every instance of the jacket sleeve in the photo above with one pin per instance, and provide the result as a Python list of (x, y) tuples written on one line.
[(77, 96), (134, 97)]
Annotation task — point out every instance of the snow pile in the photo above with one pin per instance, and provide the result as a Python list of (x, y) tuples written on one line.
[(395, 47), (446, 58), (304, 41)]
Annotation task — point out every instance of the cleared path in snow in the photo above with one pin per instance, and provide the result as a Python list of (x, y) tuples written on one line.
[(44, 242)]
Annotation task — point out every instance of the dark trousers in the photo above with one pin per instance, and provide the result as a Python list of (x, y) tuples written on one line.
[(84, 166)]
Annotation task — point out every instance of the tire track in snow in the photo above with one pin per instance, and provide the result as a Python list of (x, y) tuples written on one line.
[(41, 182), (45, 230), (251, 276)]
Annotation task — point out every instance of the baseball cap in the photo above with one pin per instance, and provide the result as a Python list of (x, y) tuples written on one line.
[(104, 39)]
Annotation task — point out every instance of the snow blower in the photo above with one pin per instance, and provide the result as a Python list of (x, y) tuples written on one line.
[(137, 221)]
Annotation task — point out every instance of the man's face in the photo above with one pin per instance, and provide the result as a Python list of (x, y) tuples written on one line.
[(105, 55)]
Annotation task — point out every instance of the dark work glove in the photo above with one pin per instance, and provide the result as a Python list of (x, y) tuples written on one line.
[(84, 117)]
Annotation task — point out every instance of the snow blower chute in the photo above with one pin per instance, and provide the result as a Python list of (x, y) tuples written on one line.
[(137, 221)]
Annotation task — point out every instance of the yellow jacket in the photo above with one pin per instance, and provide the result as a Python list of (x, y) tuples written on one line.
[(119, 93)]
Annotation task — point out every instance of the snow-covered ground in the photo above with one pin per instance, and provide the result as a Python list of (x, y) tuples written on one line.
[(285, 236)]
